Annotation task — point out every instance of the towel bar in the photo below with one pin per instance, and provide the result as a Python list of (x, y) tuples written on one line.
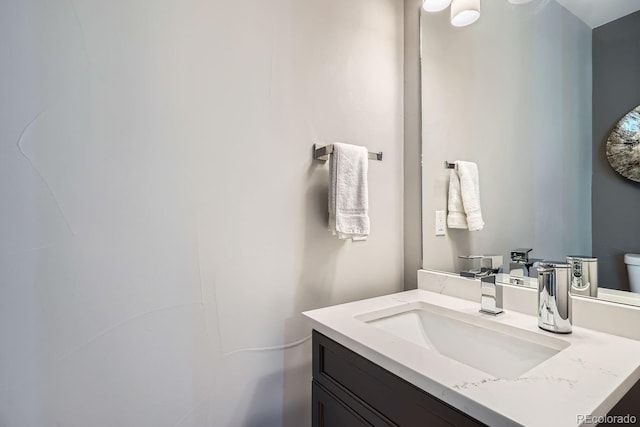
[(448, 165), (321, 152)]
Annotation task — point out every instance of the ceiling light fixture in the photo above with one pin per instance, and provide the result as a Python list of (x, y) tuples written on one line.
[(435, 5), (464, 12)]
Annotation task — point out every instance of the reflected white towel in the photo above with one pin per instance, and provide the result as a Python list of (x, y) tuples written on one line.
[(456, 217), (348, 192), (465, 188)]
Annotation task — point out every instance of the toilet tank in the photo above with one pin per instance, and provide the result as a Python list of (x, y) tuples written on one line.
[(633, 269)]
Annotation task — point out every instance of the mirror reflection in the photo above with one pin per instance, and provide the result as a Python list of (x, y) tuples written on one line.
[(530, 93)]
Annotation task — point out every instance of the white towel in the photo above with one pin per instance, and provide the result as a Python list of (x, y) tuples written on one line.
[(456, 217), (348, 192), (464, 190)]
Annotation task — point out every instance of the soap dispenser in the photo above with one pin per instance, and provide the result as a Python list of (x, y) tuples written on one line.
[(554, 302), (584, 275)]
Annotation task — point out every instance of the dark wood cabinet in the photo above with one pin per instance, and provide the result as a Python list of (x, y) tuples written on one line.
[(349, 390), (628, 406), (329, 411)]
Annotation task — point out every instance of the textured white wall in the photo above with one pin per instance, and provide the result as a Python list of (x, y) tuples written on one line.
[(162, 224), (512, 93)]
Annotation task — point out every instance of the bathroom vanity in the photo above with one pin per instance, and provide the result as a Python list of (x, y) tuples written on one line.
[(424, 358)]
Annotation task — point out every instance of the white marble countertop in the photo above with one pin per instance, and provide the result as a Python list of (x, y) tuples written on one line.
[(587, 378)]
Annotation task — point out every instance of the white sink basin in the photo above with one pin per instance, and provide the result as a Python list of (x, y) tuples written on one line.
[(500, 350), (491, 368)]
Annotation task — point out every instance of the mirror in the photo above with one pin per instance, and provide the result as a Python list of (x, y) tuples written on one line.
[(531, 93)]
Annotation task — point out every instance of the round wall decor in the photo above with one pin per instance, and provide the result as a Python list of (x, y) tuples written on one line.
[(623, 146)]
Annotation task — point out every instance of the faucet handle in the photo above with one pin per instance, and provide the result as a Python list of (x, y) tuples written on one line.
[(484, 273), (490, 278), (480, 265), (520, 254)]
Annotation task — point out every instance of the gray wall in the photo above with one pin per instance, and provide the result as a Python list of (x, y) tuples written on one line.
[(412, 145), (616, 200), (512, 93), (163, 224)]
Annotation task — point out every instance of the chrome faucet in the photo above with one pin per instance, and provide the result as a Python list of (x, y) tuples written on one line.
[(521, 266), (491, 296)]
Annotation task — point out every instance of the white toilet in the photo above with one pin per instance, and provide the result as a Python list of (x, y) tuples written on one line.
[(633, 268)]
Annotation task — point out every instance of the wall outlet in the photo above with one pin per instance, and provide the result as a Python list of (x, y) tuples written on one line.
[(441, 223)]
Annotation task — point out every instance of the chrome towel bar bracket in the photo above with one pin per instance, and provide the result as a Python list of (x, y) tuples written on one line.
[(322, 152)]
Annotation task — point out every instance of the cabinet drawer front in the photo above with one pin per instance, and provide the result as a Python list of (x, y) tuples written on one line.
[(331, 412), (340, 370)]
